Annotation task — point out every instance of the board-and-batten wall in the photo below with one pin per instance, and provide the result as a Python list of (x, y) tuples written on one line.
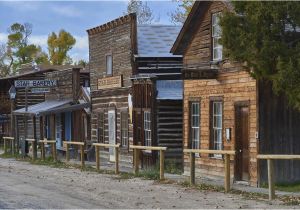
[(233, 85)]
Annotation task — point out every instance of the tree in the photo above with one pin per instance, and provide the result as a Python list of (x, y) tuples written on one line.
[(58, 46), (182, 11), (81, 63), (19, 51), (4, 68), (265, 37), (143, 12)]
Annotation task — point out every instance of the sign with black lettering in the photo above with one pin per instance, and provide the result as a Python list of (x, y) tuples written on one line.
[(35, 83)]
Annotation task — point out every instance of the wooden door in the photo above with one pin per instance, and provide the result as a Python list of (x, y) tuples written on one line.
[(242, 142), (112, 133)]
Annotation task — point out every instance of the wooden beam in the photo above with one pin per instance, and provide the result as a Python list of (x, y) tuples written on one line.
[(192, 168), (54, 151), (67, 152), (278, 157), (204, 151), (147, 148), (82, 155), (106, 145), (271, 179), (97, 159), (162, 164), (73, 142), (117, 160), (136, 160)]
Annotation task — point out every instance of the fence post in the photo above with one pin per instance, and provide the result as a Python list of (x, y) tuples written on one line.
[(162, 164), (43, 150), (54, 152), (13, 146), (117, 159), (5, 147), (136, 161), (227, 172), (67, 152), (192, 168), (34, 150), (97, 158), (82, 155), (271, 180)]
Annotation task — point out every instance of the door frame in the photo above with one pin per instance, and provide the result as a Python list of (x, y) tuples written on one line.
[(238, 105)]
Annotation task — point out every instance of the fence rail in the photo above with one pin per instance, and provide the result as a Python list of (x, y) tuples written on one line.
[(77, 143), (117, 154), (161, 150), (271, 177), (53, 147), (226, 153), (11, 142)]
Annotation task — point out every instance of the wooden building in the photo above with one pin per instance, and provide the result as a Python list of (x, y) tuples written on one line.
[(157, 93), (226, 109), (127, 62), (63, 115)]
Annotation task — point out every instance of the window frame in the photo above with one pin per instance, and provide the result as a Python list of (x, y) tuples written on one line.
[(192, 127), (213, 142), (106, 66), (216, 37), (147, 128), (124, 119)]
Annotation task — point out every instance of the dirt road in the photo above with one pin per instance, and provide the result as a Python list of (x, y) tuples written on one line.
[(23, 185)]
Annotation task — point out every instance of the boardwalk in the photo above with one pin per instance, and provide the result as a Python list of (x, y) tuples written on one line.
[(23, 185)]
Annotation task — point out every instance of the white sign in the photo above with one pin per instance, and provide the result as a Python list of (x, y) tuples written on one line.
[(35, 83), (40, 90)]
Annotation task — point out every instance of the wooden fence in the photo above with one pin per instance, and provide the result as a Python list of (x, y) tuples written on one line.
[(53, 147), (226, 153), (161, 150), (34, 148), (11, 144), (271, 177), (80, 144), (117, 154)]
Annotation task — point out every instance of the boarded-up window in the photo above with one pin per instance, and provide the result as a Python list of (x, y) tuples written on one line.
[(109, 65), (147, 128), (101, 127), (124, 129), (216, 37)]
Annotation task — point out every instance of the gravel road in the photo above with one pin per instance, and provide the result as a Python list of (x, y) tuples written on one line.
[(23, 185)]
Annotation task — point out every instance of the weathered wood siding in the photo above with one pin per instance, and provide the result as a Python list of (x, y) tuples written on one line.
[(232, 84), (278, 133)]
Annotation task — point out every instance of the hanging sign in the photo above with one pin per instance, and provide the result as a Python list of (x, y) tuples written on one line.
[(40, 90), (35, 83)]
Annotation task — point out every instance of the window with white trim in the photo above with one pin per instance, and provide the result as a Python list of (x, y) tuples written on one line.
[(217, 125), (216, 36), (195, 125), (124, 129), (147, 128), (101, 127), (109, 67)]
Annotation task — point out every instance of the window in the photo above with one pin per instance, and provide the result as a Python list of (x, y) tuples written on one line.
[(124, 129), (101, 127), (147, 128), (109, 65), (195, 125), (216, 36), (217, 125)]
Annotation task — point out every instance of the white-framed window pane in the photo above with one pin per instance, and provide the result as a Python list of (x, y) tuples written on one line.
[(109, 64), (124, 129), (147, 128), (216, 36), (195, 125), (217, 125)]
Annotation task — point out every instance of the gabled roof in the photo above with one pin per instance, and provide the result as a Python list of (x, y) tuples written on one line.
[(191, 24), (156, 40)]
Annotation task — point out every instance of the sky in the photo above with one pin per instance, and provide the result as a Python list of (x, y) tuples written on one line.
[(73, 16)]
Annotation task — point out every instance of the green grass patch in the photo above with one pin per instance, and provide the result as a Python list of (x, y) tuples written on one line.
[(287, 187), (172, 167)]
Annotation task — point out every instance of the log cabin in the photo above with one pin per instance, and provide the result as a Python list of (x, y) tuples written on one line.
[(226, 109), (131, 72)]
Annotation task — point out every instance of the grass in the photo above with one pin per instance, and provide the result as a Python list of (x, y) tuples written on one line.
[(287, 187), (172, 168)]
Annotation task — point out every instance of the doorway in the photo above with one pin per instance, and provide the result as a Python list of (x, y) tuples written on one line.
[(242, 142), (112, 133)]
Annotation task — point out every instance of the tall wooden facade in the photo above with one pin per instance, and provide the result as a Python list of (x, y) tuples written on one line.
[(226, 109)]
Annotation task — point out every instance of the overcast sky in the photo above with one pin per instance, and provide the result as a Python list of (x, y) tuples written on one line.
[(73, 16)]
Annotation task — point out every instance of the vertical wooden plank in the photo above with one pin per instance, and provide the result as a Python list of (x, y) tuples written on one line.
[(34, 155), (136, 161), (82, 155), (67, 152), (34, 144), (117, 159), (5, 147), (54, 151), (271, 179), (192, 168), (43, 151), (227, 173), (162, 164), (97, 158)]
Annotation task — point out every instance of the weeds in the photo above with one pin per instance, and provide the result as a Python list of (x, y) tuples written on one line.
[(287, 187)]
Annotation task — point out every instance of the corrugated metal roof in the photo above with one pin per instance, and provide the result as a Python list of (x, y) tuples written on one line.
[(41, 107), (169, 89), (156, 40)]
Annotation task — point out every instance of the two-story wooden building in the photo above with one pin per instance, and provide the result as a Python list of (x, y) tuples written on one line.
[(132, 70), (226, 109)]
